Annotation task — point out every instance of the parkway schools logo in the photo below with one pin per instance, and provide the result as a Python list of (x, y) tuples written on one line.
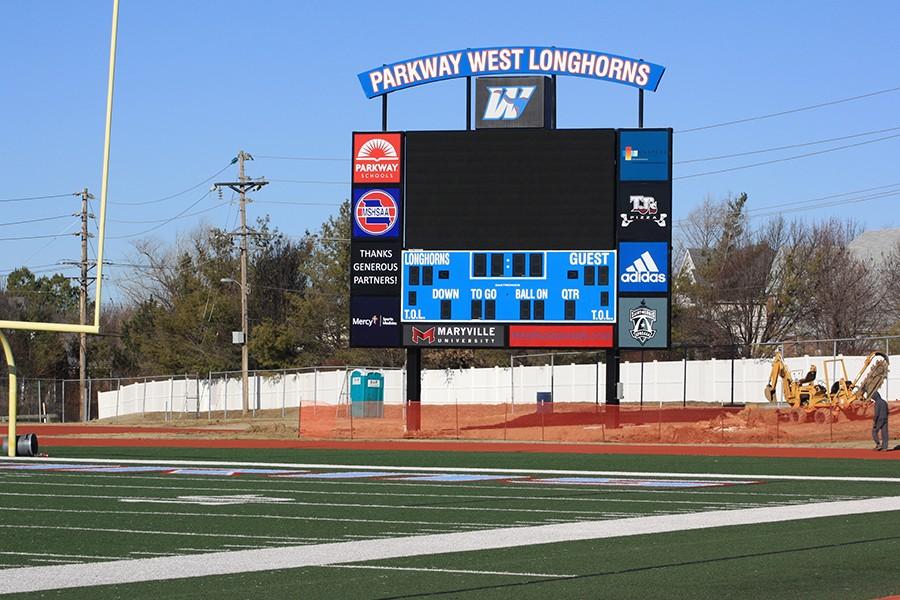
[(642, 319), (507, 103), (376, 158), (376, 214), (643, 208)]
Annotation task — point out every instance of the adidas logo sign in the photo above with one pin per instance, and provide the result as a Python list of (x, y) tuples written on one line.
[(643, 270)]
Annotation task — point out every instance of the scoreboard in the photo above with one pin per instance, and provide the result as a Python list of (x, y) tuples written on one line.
[(552, 286), (511, 238)]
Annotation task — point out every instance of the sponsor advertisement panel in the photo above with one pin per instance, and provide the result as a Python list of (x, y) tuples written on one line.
[(375, 269), (377, 213), (460, 335), (377, 158), (644, 154), (644, 322), (643, 267), (374, 322), (560, 336), (644, 211)]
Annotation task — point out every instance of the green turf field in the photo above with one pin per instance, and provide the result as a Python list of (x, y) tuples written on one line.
[(76, 518)]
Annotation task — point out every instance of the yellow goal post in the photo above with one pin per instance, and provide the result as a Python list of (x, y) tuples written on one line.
[(101, 236)]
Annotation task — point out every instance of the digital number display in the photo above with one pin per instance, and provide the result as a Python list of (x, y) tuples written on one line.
[(551, 286)]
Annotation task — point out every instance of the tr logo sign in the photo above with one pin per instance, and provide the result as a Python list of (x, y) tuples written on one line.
[(507, 103)]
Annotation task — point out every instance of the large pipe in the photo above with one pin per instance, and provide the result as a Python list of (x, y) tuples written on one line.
[(26, 445)]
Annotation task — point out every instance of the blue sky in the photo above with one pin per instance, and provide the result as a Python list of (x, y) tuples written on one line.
[(197, 81)]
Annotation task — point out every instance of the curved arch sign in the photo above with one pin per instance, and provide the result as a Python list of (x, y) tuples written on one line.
[(511, 60)]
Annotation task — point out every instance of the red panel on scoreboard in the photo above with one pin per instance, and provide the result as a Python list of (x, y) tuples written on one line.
[(561, 336)]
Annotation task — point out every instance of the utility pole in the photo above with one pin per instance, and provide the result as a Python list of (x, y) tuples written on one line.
[(82, 307), (243, 185)]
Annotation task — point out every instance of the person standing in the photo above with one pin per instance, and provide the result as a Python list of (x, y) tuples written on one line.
[(880, 422)]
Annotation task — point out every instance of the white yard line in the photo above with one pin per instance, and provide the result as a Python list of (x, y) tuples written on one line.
[(49, 554), (455, 571), (153, 532), (579, 490), (456, 524), (55, 561), (30, 579), (340, 467), (403, 507)]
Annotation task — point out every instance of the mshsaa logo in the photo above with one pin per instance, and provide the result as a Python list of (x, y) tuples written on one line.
[(507, 103), (376, 214)]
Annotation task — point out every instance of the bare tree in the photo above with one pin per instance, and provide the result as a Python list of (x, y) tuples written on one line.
[(845, 294)]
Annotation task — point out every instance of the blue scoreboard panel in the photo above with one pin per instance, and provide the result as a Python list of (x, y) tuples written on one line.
[(550, 286)]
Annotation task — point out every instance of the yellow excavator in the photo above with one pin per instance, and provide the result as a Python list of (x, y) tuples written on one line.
[(809, 398)]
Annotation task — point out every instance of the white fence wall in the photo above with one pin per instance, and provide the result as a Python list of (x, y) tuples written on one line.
[(707, 381)]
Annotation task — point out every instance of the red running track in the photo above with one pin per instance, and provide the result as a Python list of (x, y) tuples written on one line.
[(59, 436)]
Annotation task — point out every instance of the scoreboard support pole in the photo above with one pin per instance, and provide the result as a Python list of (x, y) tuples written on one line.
[(413, 389), (612, 381), (613, 370), (413, 355)]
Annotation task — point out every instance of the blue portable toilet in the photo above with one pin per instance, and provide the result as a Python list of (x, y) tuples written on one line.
[(357, 393), (374, 395)]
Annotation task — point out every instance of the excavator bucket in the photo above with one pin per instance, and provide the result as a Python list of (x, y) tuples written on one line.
[(875, 374), (770, 393)]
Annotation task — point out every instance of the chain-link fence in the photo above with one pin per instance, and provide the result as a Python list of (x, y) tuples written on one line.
[(685, 394)]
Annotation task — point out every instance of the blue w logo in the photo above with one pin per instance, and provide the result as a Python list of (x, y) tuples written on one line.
[(507, 103)]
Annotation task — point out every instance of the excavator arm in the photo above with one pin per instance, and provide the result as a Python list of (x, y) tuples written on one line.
[(779, 370)]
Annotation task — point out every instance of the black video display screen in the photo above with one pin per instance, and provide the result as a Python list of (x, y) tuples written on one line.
[(505, 189)]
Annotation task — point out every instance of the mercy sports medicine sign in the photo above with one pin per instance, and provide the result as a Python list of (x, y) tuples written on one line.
[(511, 60)]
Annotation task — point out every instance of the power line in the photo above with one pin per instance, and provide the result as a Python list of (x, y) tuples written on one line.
[(38, 197), (32, 268), (193, 187), (788, 158), (199, 212), (814, 203), (165, 222), (309, 158), (820, 198), (788, 112), (56, 218), (314, 182), (35, 237), (776, 148), (51, 242), (887, 194), (297, 203)]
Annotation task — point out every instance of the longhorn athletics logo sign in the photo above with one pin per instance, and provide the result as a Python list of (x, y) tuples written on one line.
[(376, 213), (511, 102), (507, 103)]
